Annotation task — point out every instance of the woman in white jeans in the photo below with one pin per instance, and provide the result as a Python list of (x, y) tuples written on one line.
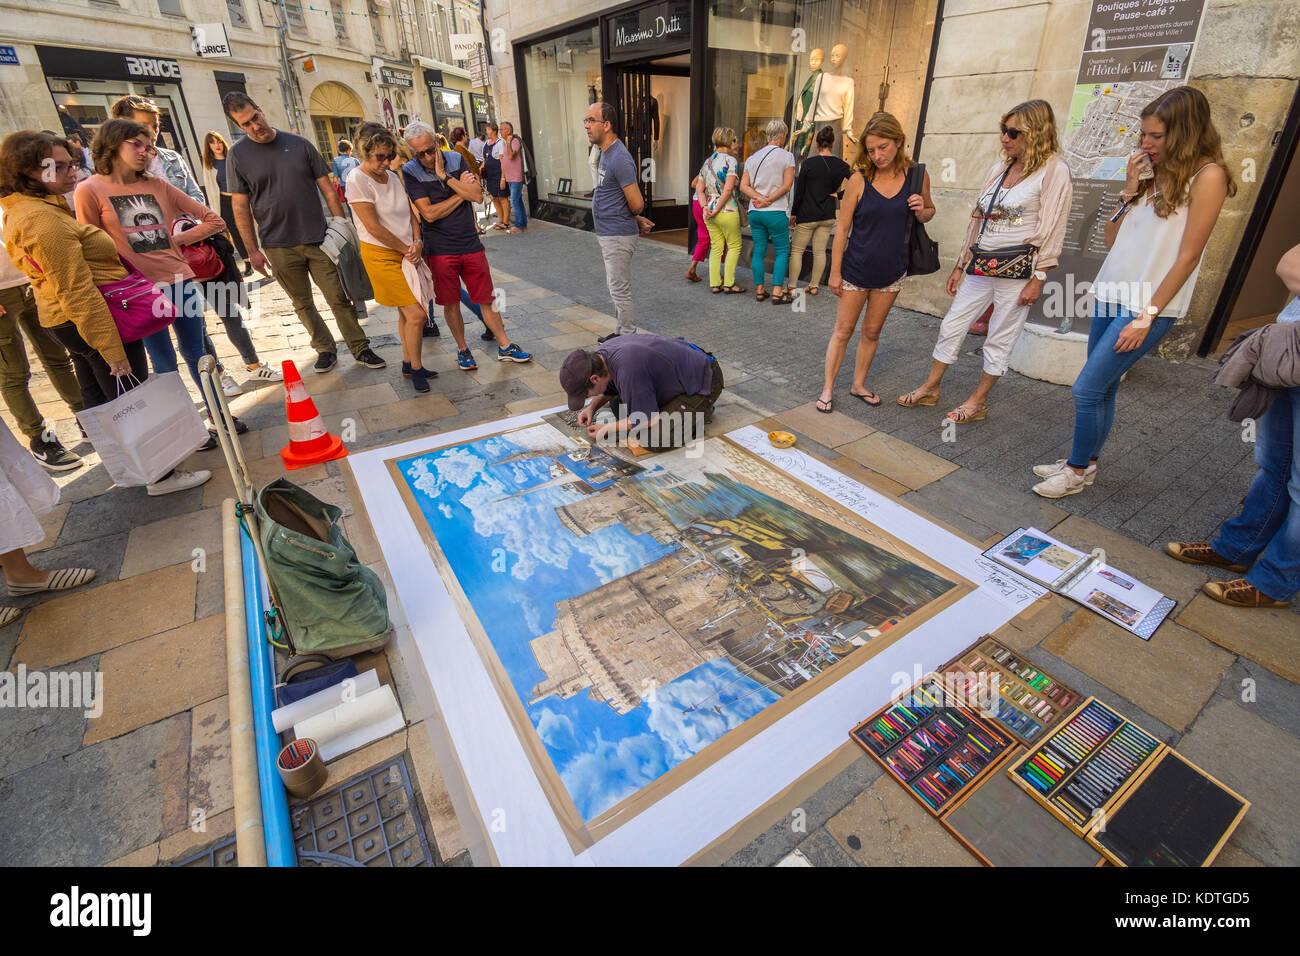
[(1025, 200)]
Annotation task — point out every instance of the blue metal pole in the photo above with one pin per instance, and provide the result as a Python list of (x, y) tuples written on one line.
[(275, 805)]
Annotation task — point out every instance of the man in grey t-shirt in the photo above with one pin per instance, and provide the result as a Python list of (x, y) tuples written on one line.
[(615, 205), (279, 179)]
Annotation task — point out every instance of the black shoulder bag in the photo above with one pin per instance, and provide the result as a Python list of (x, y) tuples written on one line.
[(920, 252)]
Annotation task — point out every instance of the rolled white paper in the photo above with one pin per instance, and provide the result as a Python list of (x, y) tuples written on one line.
[(282, 718), (353, 723)]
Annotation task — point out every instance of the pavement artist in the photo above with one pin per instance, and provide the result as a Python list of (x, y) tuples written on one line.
[(662, 391)]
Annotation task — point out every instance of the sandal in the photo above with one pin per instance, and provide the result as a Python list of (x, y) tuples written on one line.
[(866, 397), (785, 298), (829, 403), (810, 289), (961, 417), (715, 289), (760, 295), (734, 289), (911, 401)]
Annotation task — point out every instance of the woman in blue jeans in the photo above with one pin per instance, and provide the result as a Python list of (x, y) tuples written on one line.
[(1264, 538), (767, 181), (1176, 185)]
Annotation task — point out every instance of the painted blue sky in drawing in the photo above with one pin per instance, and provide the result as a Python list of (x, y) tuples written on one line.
[(469, 496)]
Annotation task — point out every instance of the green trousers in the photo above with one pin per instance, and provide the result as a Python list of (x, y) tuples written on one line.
[(19, 320)]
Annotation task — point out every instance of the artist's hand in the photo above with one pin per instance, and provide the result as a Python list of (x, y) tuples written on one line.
[(1030, 293), (954, 280), (1132, 336), (600, 432), (584, 417)]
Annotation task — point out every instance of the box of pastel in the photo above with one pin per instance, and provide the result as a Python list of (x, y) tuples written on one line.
[(935, 751), (1175, 815), (1008, 690), (1081, 769)]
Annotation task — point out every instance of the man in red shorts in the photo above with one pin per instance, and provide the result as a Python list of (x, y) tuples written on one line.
[(444, 192)]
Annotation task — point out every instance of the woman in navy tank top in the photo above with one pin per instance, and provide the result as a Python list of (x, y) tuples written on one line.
[(867, 254)]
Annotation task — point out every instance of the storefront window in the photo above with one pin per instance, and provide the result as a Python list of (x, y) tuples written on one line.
[(448, 110), (563, 80), (815, 63)]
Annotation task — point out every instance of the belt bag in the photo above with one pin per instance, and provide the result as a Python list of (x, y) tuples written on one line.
[(1013, 262), (137, 305)]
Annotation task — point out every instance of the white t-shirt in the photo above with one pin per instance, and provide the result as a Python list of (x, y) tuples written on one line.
[(476, 148), (391, 204), (1013, 219), (766, 170)]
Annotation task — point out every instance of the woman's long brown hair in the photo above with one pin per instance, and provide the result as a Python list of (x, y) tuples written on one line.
[(1190, 137)]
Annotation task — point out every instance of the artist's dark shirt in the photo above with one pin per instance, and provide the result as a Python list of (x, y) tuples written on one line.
[(649, 370)]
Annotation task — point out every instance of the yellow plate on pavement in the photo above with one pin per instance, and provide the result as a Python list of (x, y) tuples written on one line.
[(781, 439)]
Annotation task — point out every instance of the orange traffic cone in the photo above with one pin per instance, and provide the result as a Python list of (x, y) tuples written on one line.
[(309, 442)]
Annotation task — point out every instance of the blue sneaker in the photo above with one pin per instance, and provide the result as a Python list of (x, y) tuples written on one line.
[(466, 360), (513, 353)]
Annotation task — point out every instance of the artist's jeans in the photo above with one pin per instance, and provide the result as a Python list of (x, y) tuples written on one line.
[(1095, 388), (1268, 526), (617, 253), (517, 211), (765, 224)]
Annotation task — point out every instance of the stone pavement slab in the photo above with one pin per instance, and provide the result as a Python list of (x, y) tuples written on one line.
[(51, 524), (1270, 636), (172, 541), (1257, 760), (1263, 693), (830, 429), (410, 411), (1170, 676), (984, 506), (211, 787), (124, 509), (33, 735), (447, 834), (158, 676), (905, 463), (99, 803), (1028, 628), (821, 849), (872, 479), (56, 632), (886, 827)]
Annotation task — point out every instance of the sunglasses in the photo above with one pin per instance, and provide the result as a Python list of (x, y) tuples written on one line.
[(428, 152), (382, 157), (1011, 132)]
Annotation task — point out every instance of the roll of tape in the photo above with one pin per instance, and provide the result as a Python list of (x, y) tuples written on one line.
[(301, 768)]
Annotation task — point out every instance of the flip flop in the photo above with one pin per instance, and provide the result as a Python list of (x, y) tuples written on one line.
[(976, 416), (830, 406), (907, 401), (867, 400)]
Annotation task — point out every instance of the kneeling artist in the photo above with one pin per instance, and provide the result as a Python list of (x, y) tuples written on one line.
[(661, 390)]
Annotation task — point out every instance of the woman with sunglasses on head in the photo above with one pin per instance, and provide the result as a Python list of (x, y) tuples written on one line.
[(1175, 187), (1014, 237), (867, 263), (389, 233)]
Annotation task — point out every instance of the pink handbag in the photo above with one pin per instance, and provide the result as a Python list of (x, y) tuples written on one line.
[(139, 308)]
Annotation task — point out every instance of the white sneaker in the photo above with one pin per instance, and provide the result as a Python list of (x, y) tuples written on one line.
[(228, 385), (1064, 482), (1047, 471), (264, 373), (179, 481)]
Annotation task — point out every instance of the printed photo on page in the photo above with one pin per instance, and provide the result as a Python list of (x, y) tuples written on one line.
[(1037, 556), (1121, 598)]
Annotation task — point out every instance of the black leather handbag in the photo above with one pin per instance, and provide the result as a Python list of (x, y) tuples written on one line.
[(920, 252)]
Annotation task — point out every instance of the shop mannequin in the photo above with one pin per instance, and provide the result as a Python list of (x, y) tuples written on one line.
[(833, 104), (805, 107)]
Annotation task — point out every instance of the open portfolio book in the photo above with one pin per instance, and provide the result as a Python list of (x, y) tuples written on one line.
[(1085, 578)]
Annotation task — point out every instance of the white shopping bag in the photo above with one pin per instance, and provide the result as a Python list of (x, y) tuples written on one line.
[(146, 432)]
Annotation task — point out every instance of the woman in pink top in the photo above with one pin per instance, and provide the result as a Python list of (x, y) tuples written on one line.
[(511, 153), (138, 211)]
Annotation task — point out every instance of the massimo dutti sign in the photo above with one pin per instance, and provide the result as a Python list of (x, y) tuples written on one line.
[(651, 29)]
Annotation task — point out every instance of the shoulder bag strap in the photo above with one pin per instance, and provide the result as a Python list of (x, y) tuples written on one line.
[(917, 172), (993, 202)]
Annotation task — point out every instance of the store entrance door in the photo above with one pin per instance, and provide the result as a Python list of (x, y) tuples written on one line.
[(653, 102)]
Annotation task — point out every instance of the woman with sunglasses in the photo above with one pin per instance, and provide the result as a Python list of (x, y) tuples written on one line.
[(1014, 237), (389, 233), (1175, 188)]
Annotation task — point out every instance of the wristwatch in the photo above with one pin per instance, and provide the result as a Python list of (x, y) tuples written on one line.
[(1040, 275), (1148, 316)]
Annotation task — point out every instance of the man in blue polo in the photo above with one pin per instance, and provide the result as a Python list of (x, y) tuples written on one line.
[(663, 390)]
